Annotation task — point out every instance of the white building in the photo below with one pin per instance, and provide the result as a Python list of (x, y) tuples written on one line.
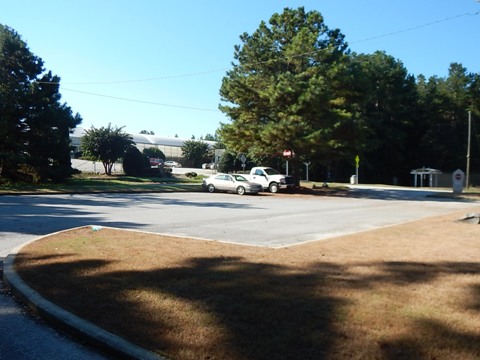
[(170, 146)]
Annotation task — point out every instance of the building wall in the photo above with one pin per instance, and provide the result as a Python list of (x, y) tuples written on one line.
[(171, 147)]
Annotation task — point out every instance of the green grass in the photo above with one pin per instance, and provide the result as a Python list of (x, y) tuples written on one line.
[(84, 183), (98, 183)]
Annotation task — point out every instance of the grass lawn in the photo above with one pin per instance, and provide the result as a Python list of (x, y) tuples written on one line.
[(93, 183), (410, 291)]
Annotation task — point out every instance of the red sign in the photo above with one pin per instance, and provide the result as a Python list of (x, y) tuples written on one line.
[(458, 177), (287, 153)]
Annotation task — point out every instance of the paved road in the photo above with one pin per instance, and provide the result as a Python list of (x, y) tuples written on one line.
[(266, 220), (25, 337)]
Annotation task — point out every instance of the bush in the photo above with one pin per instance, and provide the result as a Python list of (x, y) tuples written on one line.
[(153, 152), (191, 174), (134, 162), (25, 173)]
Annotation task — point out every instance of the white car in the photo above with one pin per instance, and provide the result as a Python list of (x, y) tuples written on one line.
[(172, 164), (209, 166), (231, 182)]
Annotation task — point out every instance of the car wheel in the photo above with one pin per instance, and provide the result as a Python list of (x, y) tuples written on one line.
[(273, 187), (240, 190), (211, 188)]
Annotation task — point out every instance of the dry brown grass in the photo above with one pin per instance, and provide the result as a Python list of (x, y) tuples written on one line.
[(404, 292)]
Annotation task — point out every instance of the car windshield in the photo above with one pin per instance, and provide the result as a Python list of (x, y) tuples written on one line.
[(239, 178), (271, 171)]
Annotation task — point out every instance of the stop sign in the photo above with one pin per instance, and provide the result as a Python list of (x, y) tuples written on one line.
[(457, 180)]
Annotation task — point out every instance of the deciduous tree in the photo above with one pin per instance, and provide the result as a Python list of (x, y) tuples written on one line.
[(106, 144), (194, 152), (146, 132)]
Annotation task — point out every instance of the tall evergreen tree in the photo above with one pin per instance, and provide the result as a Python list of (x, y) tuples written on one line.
[(285, 91), (34, 125), (388, 108), (445, 104), (18, 68), (48, 130)]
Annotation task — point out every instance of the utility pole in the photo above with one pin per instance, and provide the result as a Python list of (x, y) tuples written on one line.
[(467, 178)]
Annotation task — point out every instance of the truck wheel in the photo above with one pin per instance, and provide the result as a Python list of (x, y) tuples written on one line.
[(240, 190), (273, 187), (211, 188)]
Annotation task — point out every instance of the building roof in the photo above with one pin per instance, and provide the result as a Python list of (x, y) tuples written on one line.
[(425, 171), (78, 132)]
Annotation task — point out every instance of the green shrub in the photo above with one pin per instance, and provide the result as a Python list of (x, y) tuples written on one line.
[(134, 162), (153, 152)]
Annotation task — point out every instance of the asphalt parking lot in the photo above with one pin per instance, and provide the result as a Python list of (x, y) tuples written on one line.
[(271, 220), (260, 220)]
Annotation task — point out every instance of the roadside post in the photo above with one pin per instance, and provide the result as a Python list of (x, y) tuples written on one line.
[(287, 154), (458, 178), (307, 164), (243, 159), (354, 178), (357, 165)]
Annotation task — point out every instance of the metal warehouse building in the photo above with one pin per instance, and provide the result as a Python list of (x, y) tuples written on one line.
[(171, 147)]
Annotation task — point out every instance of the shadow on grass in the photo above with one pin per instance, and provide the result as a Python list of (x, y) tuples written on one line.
[(259, 310), (459, 345)]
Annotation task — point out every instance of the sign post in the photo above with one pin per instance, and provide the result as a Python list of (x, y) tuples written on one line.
[(243, 159), (307, 164), (287, 154), (357, 164)]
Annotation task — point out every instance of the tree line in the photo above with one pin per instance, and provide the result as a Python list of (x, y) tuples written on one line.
[(295, 85)]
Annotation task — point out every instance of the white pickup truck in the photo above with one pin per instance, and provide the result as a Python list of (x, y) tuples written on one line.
[(270, 179)]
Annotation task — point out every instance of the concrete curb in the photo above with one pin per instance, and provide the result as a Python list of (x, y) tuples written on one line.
[(86, 331)]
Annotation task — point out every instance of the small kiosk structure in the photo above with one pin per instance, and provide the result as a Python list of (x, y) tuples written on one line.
[(425, 175)]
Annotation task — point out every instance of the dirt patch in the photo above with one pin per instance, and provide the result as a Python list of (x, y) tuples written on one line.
[(402, 292)]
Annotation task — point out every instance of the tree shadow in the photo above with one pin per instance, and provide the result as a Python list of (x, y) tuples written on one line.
[(460, 345), (261, 316), (474, 302), (264, 310), (45, 214)]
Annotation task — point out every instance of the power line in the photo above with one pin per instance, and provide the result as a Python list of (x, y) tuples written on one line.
[(141, 101), (225, 69), (417, 27), (167, 77)]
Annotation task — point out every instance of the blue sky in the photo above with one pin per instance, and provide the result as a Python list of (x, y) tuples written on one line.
[(158, 64)]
